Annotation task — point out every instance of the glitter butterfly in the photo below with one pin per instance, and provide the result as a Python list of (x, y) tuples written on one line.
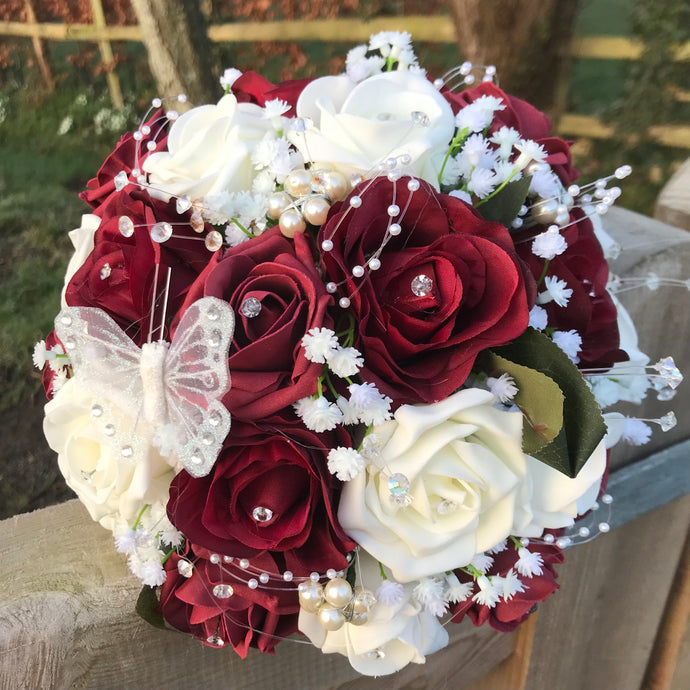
[(162, 394)]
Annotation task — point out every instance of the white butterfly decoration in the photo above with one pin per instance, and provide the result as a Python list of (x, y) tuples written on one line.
[(168, 393)]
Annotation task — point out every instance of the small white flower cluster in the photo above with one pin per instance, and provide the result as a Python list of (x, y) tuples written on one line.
[(435, 593), (366, 405), (229, 77), (388, 47), (55, 358), (503, 388), (144, 542)]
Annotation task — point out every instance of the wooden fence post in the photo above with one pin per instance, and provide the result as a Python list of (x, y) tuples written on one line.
[(38, 47), (107, 56)]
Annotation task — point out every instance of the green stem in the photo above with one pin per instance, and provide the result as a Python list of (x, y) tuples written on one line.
[(141, 514), (383, 575), (543, 273), (517, 543), (329, 383), (242, 228), (455, 144), (167, 555), (471, 570)]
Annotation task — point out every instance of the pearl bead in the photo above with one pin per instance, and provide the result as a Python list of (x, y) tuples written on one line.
[(338, 592), (394, 229), (374, 264), (359, 618), (355, 201), (331, 287), (298, 182), (545, 212), (315, 210), (393, 210), (335, 186), (287, 576), (344, 302), (277, 203), (358, 271), (291, 222), (413, 185), (331, 618), (311, 597)]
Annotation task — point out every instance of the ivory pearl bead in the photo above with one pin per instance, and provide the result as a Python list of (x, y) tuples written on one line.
[(338, 592)]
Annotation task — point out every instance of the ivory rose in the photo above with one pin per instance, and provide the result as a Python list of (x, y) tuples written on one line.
[(465, 465), (209, 150), (470, 483), (108, 486), (357, 126), (393, 636)]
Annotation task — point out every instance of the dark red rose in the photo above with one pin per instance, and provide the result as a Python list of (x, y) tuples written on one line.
[(527, 120), (421, 347), (128, 155), (118, 274), (590, 310), (267, 369), (280, 467), (251, 87), (258, 617), (507, 615)]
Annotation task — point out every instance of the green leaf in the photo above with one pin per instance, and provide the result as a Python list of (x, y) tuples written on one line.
[(583, 426), (147, 607), (503, 207), (539, 398)]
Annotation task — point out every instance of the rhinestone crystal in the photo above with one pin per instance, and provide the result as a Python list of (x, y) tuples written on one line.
[(262, 514), (223, 591), (215, 640), (121, 180), (126, 226), (421, 285), (251, 307), (213, 241), (399, 486), (446, 507), (105, 271), (161, 232)]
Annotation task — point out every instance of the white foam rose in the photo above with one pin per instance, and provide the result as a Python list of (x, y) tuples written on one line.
[(209, 151), (109, 487), (83, 243), (552, 500), (393, 636), (465, 465), (357, 126)]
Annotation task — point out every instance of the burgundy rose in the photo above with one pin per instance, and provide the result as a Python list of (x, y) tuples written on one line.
[(449, 286), (118, 274), (267, 369), (125, 157), (527, 120), (590, 310), (251, 87), (505, 616), (268, 491), (258, 617)]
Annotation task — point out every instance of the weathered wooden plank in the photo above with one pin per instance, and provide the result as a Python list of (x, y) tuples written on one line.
[(662, 316), (598, 630), (674, 625), (650, 483), (673, 203), (67, 620)]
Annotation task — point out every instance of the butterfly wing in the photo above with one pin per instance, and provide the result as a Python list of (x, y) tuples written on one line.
[(196, 378), (106, 363)]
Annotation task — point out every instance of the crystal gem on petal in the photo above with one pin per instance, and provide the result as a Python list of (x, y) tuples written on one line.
[(262, 514), (376, 654), (105, 271), (185, 568), (213, 241), (223, 591), (250, 307), (121, 180), (215, 640), (125, 226), (446, 507), (421, 285), (161, 232), (419, 118), (182, 204)]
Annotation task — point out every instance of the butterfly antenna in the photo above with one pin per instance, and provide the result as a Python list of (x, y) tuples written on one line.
[(153, 303), (165, 301)]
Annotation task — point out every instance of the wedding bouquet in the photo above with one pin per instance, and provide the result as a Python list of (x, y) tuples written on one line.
[(332, 356)]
